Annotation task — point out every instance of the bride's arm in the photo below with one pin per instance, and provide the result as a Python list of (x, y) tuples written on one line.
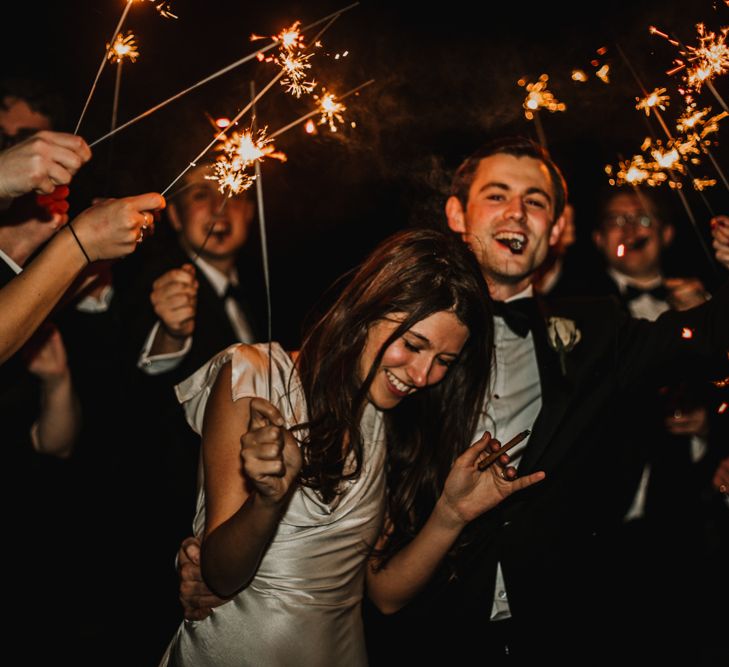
[(468, 493), (250, 462)]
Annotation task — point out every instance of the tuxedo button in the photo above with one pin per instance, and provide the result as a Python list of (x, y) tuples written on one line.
[(502, 595), (506, 524)]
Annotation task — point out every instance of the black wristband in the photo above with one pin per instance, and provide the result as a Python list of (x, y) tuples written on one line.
[(73, 231)]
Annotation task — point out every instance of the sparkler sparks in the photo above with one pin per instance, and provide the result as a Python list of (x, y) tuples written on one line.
[(239, 152), (163, 9), (330, 110), (539, 97), (603, 74), (123, 47), (294, 64), (579, 76), (655, 99), (636, 171)]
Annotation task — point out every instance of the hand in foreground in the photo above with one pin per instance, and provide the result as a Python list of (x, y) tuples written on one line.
[(685, 293), (197, 599), (174, 298), (721, 477), (720, 233), (469, 492), (271, 456), (113, 228), (40, 163)]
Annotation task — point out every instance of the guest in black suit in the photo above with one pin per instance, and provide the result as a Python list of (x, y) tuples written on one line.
[(179, 303)]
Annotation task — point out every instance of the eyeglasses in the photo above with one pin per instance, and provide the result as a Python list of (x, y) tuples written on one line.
[(620, 220)]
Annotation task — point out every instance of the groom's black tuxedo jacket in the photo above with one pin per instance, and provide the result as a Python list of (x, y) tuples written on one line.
[(545, 537)]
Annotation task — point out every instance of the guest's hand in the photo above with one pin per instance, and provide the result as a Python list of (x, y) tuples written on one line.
[(720, 232), (720, 480), (197, 599), (691, 421), (469, 492), (48, 359), (113, 228), (40, 163), (685, 293), (271, 456), (174, 298)]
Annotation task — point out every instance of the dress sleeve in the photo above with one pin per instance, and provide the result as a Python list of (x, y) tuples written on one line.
[(249, 378)]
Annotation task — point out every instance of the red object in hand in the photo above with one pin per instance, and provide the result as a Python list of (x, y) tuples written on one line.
[(55, 202)]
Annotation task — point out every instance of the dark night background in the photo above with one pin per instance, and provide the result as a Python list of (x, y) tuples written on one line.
[(445, 82)]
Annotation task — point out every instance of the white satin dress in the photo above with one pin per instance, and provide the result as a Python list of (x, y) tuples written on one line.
[(302, 608)]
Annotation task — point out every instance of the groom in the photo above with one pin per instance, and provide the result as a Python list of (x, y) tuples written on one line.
[(532, 582)]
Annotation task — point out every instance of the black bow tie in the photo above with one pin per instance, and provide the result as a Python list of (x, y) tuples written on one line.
[(233, 292), (660, 293), (517, 314)]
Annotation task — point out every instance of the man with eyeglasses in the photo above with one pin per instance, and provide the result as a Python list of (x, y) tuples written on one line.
[(679, 436)]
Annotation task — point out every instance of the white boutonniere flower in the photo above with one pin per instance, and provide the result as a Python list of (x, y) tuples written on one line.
[(563, 335)]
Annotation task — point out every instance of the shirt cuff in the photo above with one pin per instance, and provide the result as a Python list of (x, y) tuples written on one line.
[(161, 363), (699, 446), (97, 304)]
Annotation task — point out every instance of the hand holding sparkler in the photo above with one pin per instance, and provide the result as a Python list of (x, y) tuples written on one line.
[(113, 228), (174, 299), (40, 163), (472, 488), (720, 233)]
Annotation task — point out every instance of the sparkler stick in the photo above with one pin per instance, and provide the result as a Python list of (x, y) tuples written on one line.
[(540, 130), (674, 178), (215, 75), (223, 132), (264, 246), (715, 93), (103, 63), (317, 111)]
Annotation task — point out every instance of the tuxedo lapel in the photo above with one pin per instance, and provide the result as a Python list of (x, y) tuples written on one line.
[(556, 393)]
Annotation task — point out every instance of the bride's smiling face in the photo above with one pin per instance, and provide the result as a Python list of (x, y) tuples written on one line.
[(417, 359)]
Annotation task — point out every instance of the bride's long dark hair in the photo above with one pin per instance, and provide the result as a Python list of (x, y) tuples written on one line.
[(416, 273)]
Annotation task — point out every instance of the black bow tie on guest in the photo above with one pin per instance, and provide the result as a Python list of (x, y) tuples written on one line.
[(660, 293), (517, 314), (233, 292)]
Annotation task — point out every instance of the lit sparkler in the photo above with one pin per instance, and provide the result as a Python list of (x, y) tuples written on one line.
[(329, 18), (239, 152), (331, 109), (123, 48), (539, 97), (655, 99)]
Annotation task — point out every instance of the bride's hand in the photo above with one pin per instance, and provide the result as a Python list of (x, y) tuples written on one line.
[(469, 492), (271, 456)]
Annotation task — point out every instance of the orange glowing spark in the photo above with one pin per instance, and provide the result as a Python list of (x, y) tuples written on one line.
[(163, 9), (634, 172), (712, 124), (691, 118), (291, 38), (601, 51), (310, 128), (539, 97), (687, 333), (703, 183), (656, 98), (722, 408), (603, 74), (579, 75), (295, 67), (239, 152), (123, 47), (222, 122), (621, 250), (330, 110)]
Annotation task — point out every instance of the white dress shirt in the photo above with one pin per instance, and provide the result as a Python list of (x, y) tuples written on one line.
[(513, 402), (162, 363)]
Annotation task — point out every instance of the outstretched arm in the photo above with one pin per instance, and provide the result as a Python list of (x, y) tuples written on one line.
[(468, 493), (243, 507), (105, 231)]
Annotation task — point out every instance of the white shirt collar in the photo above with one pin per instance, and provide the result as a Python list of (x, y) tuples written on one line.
[(217, 278), (526, 292), (11, 262), (622, 281)]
